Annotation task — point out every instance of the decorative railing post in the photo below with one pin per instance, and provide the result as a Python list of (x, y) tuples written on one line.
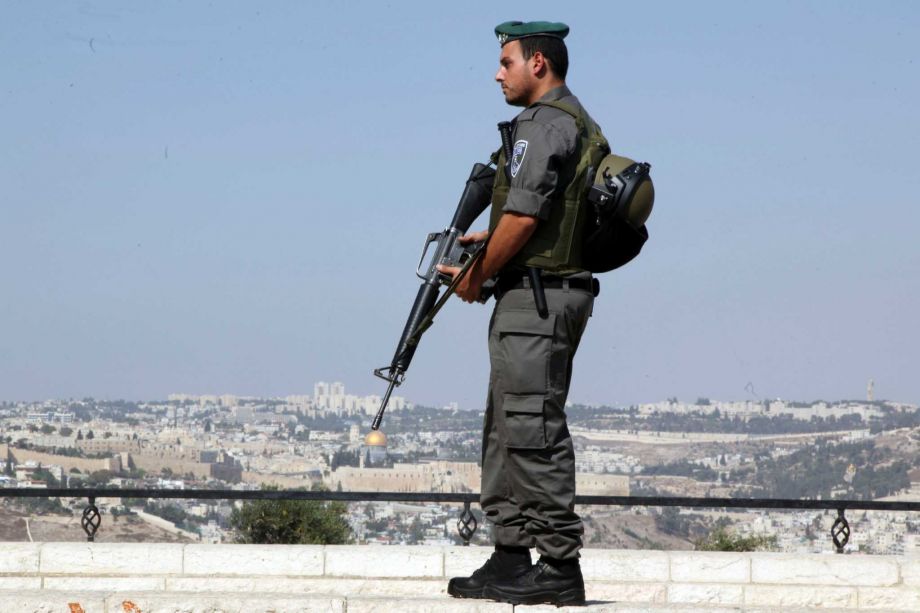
[(840, 531), (91, 519), (467, 524)]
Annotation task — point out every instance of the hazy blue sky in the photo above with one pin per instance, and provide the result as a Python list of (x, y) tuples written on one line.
[(231, 197)]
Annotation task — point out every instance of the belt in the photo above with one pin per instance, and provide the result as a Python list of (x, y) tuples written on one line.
[(508, 282)]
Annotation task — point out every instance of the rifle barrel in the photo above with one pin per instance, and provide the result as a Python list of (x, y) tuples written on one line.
[(383, 405)]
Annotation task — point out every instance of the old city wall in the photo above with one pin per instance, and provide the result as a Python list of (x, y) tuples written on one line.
[(279, 480), (590, 484), (153, 464), (448, 477), (85, 465)]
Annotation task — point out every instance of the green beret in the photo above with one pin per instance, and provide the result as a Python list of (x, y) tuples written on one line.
[(514, 30)]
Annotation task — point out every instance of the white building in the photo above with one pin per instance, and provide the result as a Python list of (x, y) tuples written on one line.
[(331, 397)]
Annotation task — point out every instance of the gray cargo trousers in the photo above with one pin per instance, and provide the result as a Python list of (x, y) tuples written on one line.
[(528, 459)]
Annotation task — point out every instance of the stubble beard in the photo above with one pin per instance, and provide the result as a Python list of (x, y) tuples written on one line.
[(513, 98)]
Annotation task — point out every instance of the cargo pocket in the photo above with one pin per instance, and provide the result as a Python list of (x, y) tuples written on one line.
[(524, 421), (525, 342)]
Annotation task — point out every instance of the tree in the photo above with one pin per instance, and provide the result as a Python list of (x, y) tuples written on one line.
[(65, 431), (90, 436), (723, 539), (170, 512), (670, 521), (79, 435), (43, 474), (99, 477), (45, 506), (291, 522), (416, 532)]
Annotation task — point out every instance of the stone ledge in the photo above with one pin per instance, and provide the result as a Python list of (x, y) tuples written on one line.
[(630, 593), (20, 583), (364, 561), (104, 584), (155, 602), (404, 588), (369, 576), (800, 596), (253, 560), (142, 559), (20, 558), (829, 569), (47, 601), (710, 567), (426, 605), (625, 565), (706, 593), (910, 572), (631, 566), (898, 599), (618, 607)]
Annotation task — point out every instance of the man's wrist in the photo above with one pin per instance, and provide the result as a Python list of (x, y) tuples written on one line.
[(476, 274)]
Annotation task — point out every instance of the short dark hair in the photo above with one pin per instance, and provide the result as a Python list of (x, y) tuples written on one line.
[(552, 48)]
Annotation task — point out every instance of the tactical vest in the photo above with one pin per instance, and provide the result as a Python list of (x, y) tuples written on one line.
[(555, 246)]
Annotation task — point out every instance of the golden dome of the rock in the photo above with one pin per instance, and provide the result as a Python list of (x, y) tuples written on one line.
[(375, 438)]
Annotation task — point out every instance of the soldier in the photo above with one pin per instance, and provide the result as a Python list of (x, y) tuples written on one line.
[(528, 460)]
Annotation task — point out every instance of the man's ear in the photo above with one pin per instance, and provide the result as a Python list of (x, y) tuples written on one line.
[(539, 64)]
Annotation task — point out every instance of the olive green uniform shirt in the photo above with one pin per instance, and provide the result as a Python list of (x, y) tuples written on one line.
[(544, 138)]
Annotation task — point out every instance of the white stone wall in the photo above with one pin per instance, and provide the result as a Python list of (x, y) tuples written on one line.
[(193, 578)]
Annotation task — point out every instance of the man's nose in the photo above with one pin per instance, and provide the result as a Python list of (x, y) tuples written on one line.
[(500, 75)]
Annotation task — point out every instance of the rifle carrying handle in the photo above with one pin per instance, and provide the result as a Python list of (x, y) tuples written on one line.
[(505, 128)]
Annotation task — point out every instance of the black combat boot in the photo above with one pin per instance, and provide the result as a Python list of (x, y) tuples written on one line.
[(557, 582), (505, 564)]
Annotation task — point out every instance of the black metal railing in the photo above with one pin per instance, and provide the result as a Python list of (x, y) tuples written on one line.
[(467, 523)]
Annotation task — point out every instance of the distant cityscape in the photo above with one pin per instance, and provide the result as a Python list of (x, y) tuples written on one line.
[(857, 449)]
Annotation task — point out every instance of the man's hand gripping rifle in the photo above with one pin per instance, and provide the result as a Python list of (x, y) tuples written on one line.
[(449, 252)]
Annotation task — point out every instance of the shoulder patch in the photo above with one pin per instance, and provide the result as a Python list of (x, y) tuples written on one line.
[(517, 157)]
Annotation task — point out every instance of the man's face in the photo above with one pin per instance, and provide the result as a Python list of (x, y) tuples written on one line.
[(515, 74)]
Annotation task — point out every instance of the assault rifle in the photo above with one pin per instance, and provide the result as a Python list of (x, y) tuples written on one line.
[(447, 251)]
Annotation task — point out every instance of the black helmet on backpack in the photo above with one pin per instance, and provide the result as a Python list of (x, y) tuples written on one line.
[(619, 203)]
